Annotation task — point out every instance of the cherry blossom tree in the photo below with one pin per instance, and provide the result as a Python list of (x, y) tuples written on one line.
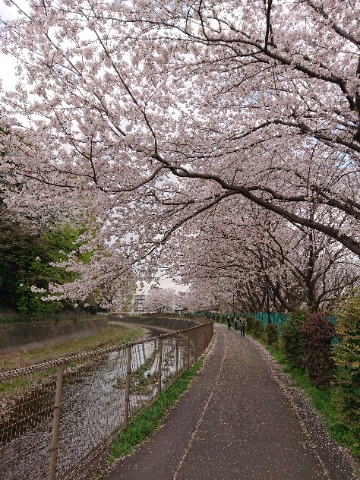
[(160, 299), (154, 114), (256, 261)]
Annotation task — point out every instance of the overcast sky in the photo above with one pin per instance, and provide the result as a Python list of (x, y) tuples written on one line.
[(6, 62)]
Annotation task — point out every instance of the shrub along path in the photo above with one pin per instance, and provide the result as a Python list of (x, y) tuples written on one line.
[(240, 420)]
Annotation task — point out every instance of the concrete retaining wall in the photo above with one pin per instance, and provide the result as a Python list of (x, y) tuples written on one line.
[(19, 336), (161, 323), (27, 335)]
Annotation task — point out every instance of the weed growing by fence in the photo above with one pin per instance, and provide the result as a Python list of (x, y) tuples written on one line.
[(292, 338), (272, 334), (258, 329)]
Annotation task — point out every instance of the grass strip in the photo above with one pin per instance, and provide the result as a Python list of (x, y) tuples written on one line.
[(148, 421), (112, 335)]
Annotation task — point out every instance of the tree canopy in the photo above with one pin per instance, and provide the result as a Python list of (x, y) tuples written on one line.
[(160, 117)]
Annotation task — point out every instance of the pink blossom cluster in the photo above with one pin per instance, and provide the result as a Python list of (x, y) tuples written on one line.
[(220, 137)]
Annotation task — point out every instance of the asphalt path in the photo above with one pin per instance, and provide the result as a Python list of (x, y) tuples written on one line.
[(241, 420)]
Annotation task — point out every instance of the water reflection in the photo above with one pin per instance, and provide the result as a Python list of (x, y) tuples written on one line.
[(93, 405)]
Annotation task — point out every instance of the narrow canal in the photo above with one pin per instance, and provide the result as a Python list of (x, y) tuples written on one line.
[(93, 403)]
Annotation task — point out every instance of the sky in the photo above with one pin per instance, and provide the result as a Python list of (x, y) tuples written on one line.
[(7, 74), (7, 63), (166, 282)]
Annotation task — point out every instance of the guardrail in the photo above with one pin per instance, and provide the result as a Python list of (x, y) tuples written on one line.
[(56, 416)]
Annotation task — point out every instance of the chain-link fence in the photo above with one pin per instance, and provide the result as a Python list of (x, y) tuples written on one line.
[(55, 416)]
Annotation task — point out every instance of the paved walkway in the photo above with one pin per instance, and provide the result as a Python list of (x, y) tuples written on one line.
[(240, 420)]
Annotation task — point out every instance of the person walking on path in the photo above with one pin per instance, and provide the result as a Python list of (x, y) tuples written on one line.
[(242, 326), (228, 319), (236, 322)]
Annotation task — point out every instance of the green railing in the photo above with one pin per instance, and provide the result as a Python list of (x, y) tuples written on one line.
[(272, 317), (265, 317)]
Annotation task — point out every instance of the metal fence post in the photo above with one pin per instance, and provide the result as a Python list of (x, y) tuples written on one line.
[(56, 422), (177, 354), (188, 350), (160, 364), (127, 387), (196, 343)]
